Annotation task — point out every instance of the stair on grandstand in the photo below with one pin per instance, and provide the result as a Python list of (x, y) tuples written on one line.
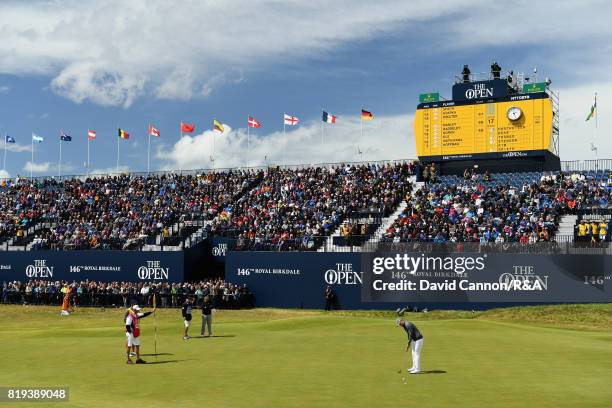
[(183, 235), (376, 224), (386, 223), (372, 243), (567, 226), (362, 224), (26, 242)]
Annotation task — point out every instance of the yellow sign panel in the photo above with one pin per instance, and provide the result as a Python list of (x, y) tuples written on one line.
[(484, 128)]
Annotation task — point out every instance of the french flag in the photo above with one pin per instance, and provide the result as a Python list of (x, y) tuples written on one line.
[(328, 117)]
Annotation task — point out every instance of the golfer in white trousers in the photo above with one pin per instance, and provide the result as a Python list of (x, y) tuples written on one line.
[(415, 338)]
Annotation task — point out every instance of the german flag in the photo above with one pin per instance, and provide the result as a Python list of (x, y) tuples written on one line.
[(365, 115), (123, 134)]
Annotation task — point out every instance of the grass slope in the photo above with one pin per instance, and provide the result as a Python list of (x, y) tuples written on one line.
[(538, 356)]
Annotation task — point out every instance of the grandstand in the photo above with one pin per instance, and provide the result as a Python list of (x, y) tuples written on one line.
[(330, 207)]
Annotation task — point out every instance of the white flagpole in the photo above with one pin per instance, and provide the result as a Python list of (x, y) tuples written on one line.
[(322, 128), (4, 165), (59, 163), (117, 171), (88, 140), (361, 124), (213, 147), (284, 144), (149, 150), (32, 162), (248, 140), (181, 129), (595, 132)]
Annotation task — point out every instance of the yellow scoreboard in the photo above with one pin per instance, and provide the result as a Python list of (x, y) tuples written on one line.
[(449, 128)]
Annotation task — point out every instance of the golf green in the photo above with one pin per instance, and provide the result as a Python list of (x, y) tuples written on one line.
[(556, 356)]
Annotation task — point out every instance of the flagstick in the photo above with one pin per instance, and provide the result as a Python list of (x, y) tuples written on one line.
[(284, 145), (181, 130), (155, 317)]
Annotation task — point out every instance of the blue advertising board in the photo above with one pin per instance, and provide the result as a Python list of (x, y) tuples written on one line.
[(459, 280), (107, 266)]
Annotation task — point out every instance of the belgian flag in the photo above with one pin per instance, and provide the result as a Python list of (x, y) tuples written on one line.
[(123, 134)]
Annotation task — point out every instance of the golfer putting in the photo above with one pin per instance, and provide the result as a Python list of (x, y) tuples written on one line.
[(415, 338)]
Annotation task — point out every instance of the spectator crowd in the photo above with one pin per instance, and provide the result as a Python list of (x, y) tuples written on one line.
[(122, 294), (293, 209)]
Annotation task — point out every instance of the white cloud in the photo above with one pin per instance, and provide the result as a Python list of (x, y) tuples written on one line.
[(576, 133), (108, 170), (18, 148), (4, 174), (112, 52), (384, 138), (38, 167)]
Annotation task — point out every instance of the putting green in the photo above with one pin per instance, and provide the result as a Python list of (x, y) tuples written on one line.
[(284, 358)]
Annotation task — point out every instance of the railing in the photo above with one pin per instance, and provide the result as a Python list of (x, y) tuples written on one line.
[(566, 166), (200, 171), (117, 300), (586, 165), (560, 244)]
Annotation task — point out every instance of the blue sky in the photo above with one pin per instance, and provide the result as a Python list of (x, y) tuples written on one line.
[(77, 65)]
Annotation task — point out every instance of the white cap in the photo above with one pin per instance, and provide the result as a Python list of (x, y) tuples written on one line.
[(136, 307), (397, 321)]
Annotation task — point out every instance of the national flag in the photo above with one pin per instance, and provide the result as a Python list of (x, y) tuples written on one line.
[(291, 120), (65, 137), (91, 134), (187, 127), (254, 123), (328, 117), (153, 131), (365, 115), (123, 134), (10, 139), (593, 111), (217, 126), (36, 138)]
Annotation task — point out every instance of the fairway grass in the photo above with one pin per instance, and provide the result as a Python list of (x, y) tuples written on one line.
[(553, 356)]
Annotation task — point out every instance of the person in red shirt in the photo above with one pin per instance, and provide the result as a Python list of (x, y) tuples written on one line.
[(132, 332)]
